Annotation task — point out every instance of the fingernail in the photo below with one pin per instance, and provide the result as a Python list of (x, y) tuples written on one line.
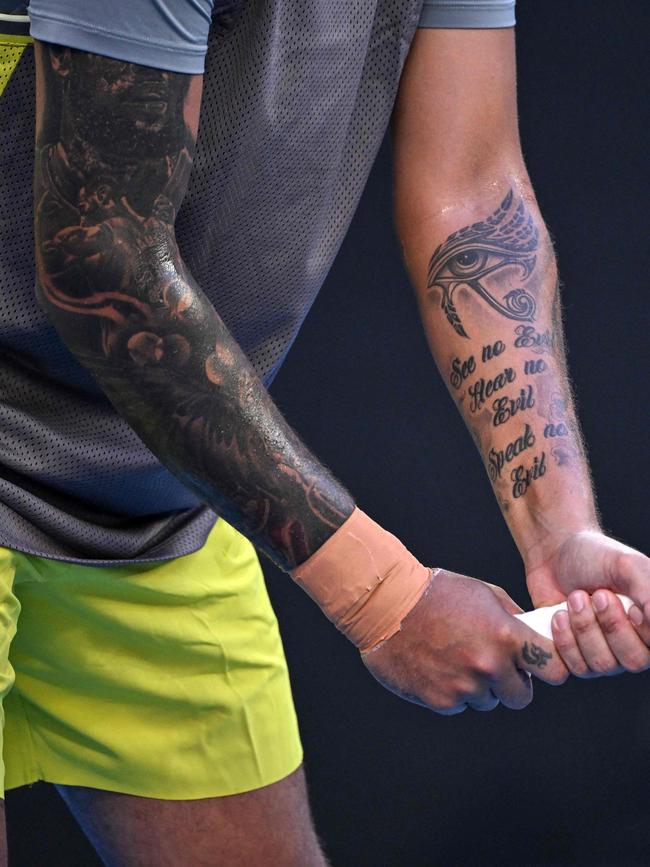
[(636, 615), (600, 601), (561, 620), (576, 602)]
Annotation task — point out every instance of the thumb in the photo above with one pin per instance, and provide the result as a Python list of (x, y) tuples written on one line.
[(543, 588), (631, 575), (547, 598), (537, 655)]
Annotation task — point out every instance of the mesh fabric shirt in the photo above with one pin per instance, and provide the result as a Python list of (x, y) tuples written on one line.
[(297, 96)]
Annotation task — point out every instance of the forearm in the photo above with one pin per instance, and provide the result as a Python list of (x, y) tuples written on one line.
[(486, 281), (111, 170), (189, 392)]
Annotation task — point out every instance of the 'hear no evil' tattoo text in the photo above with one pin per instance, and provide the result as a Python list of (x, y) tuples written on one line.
[(504, 244)]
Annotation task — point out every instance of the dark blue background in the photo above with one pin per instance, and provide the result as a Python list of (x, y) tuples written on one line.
[(564, 782)]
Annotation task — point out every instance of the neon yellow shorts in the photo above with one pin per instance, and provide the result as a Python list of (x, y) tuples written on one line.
[(165, 680)]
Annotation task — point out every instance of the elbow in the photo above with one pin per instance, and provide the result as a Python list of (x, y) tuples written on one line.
[(492, 203), (122, 300), (485, 235), (94, 279), (440, 202)]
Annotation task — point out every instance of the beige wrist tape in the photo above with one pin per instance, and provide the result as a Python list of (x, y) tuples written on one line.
[(364, 579)]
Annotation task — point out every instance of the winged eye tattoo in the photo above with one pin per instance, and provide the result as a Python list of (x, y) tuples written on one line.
[(474, 255)]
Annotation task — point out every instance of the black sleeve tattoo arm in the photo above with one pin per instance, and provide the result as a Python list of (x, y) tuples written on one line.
[(112, 163)]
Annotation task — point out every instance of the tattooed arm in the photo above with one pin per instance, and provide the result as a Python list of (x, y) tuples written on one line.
[(113, 154), (486, 280), (114, 151)]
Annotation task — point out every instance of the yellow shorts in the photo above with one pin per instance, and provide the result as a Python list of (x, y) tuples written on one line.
[(165, 680)]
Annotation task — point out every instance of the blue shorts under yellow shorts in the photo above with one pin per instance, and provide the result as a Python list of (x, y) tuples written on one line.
[(164, 680)]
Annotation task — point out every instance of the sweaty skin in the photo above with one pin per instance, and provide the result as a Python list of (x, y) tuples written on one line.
[(114, 149), (484, 270), (111, 170)]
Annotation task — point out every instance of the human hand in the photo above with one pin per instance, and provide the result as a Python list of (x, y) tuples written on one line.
[(461, 647), (596, 637)]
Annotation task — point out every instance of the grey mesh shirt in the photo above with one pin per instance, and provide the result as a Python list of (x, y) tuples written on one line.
[(272, 193)]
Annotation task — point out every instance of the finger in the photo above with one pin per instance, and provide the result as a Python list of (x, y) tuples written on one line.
[(631, 575), (488, 701), (514, 688), (640, 623), (567, 646), (506, 601), (537, 655), (624, 642), (589, 636), (449, 711)]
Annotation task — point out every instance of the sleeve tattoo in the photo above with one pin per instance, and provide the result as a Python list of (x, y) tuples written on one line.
[(113, 159)]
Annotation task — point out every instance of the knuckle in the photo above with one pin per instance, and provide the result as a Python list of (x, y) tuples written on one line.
[(484, 703), (466, 689), (583, 626), (611, 624), (602, 666), (525, 700), (564, 642), (562, 676), (523, 697), (503, 633), (445, 700), (520, 700), (558, 676), (447, 707), (485, 665), (626, 562), (580, 669)]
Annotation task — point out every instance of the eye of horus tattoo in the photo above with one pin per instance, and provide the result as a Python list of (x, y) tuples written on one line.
[(473, 257)]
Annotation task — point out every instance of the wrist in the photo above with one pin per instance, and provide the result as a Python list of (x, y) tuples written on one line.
[(546, 516), (543, 550), (364, 580)]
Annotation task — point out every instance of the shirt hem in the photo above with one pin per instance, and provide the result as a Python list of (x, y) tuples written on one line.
[(87, 38), (465, 18)]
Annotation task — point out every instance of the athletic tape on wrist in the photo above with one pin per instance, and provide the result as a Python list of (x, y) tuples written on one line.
[(364, 579)]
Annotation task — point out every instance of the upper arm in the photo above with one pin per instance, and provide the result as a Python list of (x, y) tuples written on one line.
[(113, 158), (114, 149), (455, 119), (118, 91)]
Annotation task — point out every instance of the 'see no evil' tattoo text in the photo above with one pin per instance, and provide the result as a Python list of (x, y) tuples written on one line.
[(495, 259)]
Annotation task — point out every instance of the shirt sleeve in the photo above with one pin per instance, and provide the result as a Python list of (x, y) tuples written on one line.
[(166, 34), (468, 14)]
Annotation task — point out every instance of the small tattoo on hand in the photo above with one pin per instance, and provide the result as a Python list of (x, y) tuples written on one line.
[(535, 655)]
